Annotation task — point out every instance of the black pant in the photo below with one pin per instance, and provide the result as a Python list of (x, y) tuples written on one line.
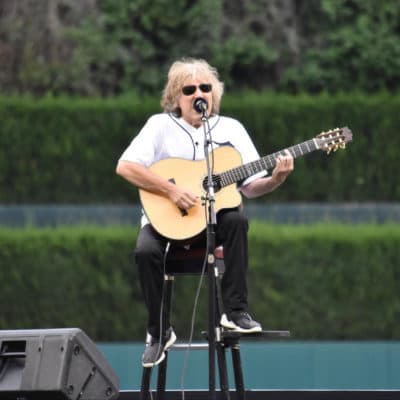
[(231, 232)]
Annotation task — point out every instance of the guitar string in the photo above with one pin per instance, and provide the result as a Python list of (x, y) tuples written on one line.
[(267, 162)]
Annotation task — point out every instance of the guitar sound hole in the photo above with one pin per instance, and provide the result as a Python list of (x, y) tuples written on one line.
[(216, 182)]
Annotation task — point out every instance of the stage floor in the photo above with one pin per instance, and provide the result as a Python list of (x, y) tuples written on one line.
[(274, 395)]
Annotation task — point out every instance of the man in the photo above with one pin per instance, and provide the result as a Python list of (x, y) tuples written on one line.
[(178, 133)]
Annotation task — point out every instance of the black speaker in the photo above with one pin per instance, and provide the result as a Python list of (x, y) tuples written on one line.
[(53, 364)]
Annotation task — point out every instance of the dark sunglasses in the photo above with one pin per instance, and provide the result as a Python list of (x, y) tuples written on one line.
[(190, 89)]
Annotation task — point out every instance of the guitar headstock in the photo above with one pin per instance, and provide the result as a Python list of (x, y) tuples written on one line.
[(334, 139)]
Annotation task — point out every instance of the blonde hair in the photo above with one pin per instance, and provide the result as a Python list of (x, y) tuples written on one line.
[(190, 68)]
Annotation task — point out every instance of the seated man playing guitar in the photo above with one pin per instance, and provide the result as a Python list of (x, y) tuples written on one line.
[(177, 135)]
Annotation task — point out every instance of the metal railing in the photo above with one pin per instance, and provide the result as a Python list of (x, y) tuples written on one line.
[(43, 215)]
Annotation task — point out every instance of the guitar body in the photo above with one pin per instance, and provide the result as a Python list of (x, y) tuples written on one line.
[(166, 217), (181, 225)]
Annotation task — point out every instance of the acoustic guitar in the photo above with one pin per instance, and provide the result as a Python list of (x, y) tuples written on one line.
[(180, 225)]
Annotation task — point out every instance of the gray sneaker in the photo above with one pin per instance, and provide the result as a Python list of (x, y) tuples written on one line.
[(154, 352), (241, 321)]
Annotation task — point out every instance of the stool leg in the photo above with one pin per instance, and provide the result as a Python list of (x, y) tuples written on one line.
[(162, 377), (237, 369), (162, 367), (145, 385), (223, 374)]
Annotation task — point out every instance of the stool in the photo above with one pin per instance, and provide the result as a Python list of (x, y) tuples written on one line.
[(190, 261)]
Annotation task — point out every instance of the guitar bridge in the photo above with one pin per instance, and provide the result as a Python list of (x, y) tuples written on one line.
[(184, 213)]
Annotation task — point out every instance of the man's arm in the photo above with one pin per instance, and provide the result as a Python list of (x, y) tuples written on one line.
[(259, 187), (140, 176)]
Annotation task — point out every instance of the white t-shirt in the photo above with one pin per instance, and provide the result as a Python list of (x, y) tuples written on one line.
[(165, 136)]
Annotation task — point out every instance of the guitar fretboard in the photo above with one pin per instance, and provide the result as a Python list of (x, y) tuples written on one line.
[(265, 163)]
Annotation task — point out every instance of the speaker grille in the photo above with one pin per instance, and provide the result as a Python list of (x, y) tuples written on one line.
[(61, 363)]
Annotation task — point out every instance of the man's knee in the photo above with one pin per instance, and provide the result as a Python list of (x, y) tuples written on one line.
[(234, 219), (146, 251)]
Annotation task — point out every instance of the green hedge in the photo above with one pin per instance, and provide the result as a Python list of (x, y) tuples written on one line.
[(65, 150), (319, 281)]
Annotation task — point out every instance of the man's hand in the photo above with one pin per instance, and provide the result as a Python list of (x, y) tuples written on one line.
[(284, 166), (184, 199)]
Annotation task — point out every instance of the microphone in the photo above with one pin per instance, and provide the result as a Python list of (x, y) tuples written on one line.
[(200, 105)]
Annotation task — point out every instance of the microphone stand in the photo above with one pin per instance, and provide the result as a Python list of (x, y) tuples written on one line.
[(214, 331)]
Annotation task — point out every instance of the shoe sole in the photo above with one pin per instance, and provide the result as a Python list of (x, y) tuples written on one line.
[(171, 341), (226, 323), (168, 344), (242, 330), (153, 364)]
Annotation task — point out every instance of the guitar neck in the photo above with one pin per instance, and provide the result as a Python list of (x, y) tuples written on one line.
[(265, 163)]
